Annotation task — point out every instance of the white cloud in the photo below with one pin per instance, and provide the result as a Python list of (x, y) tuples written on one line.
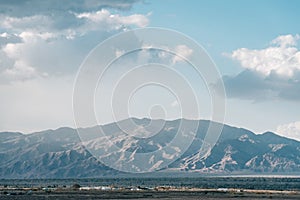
[(166, 54), (182, 51), (286, 40), (20, 71), (42, 44), (135, 19), (282, 57), (6, 38), (270, 73), (71, 24), (112, 21), (56, 7), (98, 16), (35, 22), (52, 51), (44, 53), (291, 130), (4, 35), (56, 44), (32, 36)]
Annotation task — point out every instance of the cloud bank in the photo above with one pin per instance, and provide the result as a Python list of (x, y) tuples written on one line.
[(51, 38), (269, 73), (42, 44)]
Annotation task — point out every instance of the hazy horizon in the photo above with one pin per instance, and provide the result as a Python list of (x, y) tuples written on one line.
[(143, 118)]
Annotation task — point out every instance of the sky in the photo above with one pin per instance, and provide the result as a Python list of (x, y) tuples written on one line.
[(254, 44)]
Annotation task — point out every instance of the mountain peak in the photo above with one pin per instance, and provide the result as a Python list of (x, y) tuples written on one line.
[(61, 154)]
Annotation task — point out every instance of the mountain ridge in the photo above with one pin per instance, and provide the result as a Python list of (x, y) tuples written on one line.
[(61, 153)]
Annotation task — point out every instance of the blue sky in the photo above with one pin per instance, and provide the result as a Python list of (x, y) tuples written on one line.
[(255, 45), (223, 26)]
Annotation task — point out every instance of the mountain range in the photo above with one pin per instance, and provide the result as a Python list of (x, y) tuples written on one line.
[(61, 153)]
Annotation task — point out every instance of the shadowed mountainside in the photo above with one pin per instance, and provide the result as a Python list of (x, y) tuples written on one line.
[(61, 154)]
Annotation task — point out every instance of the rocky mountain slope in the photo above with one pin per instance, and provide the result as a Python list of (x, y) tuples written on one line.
[(61, 154)]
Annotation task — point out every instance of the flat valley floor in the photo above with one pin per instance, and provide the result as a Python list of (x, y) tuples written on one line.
[(211, 188), (86, 195)]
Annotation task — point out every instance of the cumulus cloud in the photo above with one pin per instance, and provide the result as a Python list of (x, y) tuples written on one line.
[(291, 130), (42, 44), (104, 19), (6, 38), (50, 37), (35, 22), (165, 54), (182, 51), (21, 71), (282, 57), (270, 73), (286, 40), (57, 16), (28, 7)]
